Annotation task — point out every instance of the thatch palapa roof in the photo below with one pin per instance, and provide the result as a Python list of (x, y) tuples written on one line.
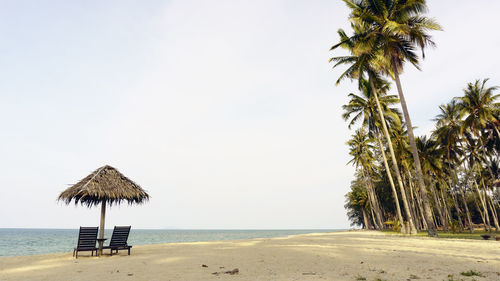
[(105, 184)]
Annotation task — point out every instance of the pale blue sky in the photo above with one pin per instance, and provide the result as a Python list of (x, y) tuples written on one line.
[(225, 111)]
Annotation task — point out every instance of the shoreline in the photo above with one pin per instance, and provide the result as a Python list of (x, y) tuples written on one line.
[(263, 232), (344, 255)]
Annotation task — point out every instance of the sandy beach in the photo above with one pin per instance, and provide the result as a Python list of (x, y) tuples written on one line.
[(327, 256)]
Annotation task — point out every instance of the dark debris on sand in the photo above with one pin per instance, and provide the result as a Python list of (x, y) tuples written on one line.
[(230, 272)]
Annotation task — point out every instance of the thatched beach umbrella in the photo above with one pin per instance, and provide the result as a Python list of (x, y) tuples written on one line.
[(105, 185)]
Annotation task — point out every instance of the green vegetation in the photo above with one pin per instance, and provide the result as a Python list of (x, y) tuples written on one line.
[(441, 234), (360, 278), (472, 273), (446, 181)]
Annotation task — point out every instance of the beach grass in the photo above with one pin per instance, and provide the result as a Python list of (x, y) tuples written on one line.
[(476, 235), (472, 273)]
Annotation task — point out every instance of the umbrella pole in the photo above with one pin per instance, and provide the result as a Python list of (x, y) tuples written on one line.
[(101, 233)]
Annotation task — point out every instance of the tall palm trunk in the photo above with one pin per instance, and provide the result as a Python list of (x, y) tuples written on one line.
[(411, 197), (421, 209), (377, 209), (459, 210), (494, 213), (373, 219), (371, 197), (417, 197), (493, 208), (481, 213), (442, 219), (391, 181), (366, 222), (445, 205), (431, 227), (417, 206), (483, 150), (411, 226), (453, 194), (434, 218), (486, 217), (467, 212)]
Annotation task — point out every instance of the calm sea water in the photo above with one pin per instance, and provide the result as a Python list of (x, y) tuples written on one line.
[(23, 241)]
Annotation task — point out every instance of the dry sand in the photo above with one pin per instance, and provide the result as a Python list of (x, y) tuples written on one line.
[(330, 256)]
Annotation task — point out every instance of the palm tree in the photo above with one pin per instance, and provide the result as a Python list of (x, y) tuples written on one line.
[(364, 108), (448, 135), (474, 158), (448, 130), (396, 30), (432, 165), (357, 203), (360, 148), (399, 138), (361, 61), (480, 109), (357, 200)]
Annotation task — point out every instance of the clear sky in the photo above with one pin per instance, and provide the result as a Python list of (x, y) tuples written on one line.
[(226, 112)]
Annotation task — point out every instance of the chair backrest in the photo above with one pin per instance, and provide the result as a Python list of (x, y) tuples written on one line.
[(87, 237), (120, 236)]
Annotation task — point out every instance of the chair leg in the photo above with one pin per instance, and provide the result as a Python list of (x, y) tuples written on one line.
[(76, 254), (129, 251)]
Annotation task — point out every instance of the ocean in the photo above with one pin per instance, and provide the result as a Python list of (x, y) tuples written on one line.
[(25, 241)]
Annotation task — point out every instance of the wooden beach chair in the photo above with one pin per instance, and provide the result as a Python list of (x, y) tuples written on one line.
[(119, 239), (87, 237)]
